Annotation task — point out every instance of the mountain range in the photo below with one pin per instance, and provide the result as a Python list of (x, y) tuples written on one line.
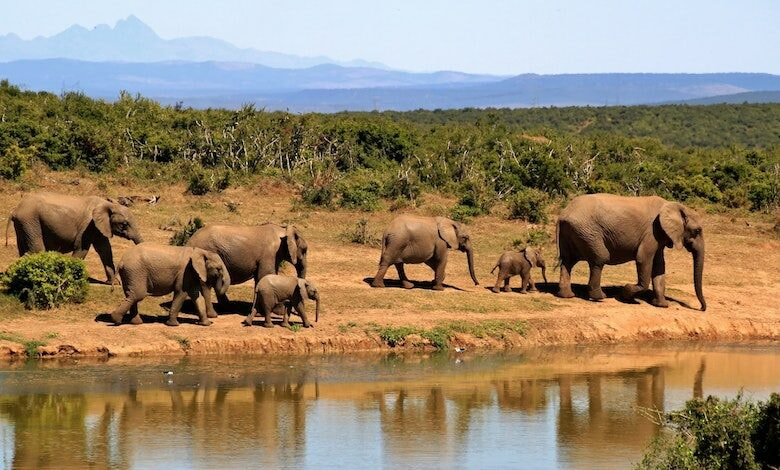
[(207, 72)]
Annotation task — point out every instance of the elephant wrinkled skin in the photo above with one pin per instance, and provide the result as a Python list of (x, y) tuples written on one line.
[(56, 222), (287, 292), (414, 239), (512, 263), (152, 269), (607, 229), (252, 252)]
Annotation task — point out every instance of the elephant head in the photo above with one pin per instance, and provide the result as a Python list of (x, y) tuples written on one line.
[(296, 248), (456, 235), (111, 219), (682, 228), (210, 270), (534, 258), (309, 291)]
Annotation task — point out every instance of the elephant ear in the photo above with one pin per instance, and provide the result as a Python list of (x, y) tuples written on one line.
[(292, 245), (302, 288), (198, 262), (672, 223), (528, 256), (447, 231), (101, 216)]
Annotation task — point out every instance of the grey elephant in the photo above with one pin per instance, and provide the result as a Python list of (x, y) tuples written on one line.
[(607, 229), (512, 263), (414, 239), (152, 269), (56, 222), (276, 291), (252, 252)]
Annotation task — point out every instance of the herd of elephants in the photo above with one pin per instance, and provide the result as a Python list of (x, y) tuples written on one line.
[(599, 229)]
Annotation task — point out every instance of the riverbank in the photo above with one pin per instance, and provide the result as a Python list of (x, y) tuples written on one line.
[(741, 285)]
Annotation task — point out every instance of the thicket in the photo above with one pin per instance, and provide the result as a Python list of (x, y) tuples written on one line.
[(725, 155), (718, 434), (46, 280)]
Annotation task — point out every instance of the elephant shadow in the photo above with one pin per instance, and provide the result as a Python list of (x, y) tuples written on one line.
[(234, 307), (612, 292), (541, 288), (148, 318), (396, 284)]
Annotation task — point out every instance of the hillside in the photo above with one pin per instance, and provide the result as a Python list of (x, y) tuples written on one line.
[(738, 98)]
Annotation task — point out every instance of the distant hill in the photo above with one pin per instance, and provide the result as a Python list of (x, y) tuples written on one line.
[(738, 98), (131, 40)]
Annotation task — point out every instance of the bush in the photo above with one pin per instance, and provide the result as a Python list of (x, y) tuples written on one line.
[(14, 162), (317, 196), (531, 237), (697, 186), (182, 236), (463, 213), (202, 182), (361, 193), (718, 434), (361, 235), (46, 280), (528, 204)]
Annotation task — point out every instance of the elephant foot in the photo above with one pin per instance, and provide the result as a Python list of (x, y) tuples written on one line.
[(247, 322), (663, 303), (407, 284), (205, 322), (378, 283), (117, 319), (172, 322), (438, 287), (308, 325), (496, 289), (284, 324), (268, 325), (212, 313), (507, 289), (136, 320), (597, 294), (533, 289), (565, 293)]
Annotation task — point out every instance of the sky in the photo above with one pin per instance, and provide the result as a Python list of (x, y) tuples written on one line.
[(488, 36)]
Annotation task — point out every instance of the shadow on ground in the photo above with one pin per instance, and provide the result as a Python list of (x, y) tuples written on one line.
[(396, 284)]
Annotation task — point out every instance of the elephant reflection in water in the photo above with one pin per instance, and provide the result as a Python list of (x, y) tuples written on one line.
[(524, 395), (52, 431), (603, 425)]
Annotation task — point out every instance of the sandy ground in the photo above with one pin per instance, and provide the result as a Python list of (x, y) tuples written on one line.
[(742, 283)]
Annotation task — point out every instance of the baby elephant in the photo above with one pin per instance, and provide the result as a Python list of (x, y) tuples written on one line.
[(511, 263), (276, 291), (152, 269)]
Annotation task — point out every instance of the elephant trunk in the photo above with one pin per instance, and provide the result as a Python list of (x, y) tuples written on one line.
[(470, 258), (544, 272), (317, 308), (137, 239), (698, 270), (300, 268), (223, 282)]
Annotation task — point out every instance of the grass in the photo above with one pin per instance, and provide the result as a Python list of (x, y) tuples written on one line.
[(295, 327), (30, 345), (345, 327), (440, 335)]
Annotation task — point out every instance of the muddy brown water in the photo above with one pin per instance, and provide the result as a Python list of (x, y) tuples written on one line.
[(546, 408)]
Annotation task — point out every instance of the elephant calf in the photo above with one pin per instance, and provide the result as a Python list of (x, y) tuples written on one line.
[(512, 263), (152, 269), (288, 292)]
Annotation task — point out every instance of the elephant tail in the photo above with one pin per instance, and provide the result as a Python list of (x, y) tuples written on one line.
[(558, 261), (8, 224), (494, 268)]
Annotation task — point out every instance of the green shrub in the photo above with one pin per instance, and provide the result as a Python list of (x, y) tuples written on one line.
[(763, 195), (463, 213), (317, 196), (718, 434), (14, 161), (734, 198), (531, 237), (46, 280), (361, 235), (697, 186), (182, 236), (199, 183), (361, 193), (528, 204)]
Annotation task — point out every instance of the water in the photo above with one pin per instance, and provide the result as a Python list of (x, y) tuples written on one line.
[(551, 408)]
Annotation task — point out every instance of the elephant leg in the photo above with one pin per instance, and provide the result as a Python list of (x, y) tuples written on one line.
[(439, 264), (644, 267), (506, 283), (200, 306), (402, 276), (126, 305), (564, 284), (659, 280), (173, 313), (103, 248), (285, 312), (531, 285), (300, 307), (594, 283), (268, 308), (135, 317), (500, 278), (252, 312)]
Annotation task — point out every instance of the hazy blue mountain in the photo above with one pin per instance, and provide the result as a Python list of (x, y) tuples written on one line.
[(131, 40)]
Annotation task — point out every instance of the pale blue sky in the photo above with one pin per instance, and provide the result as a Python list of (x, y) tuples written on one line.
[(492, 36)]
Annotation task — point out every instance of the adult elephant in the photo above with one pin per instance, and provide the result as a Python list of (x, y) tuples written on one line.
[(56, 222), (251, 252), (414, 239), (607, 229)]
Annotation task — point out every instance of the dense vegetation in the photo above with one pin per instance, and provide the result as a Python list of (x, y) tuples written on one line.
[(717, 434), (46, 280), (509, 160)]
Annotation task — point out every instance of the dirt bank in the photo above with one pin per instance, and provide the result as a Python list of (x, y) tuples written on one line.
[(742, 284)]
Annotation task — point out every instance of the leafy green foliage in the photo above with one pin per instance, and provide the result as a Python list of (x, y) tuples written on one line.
[(531, 237), (46, 280), (529, 204), (440, 335), (183, 235), (361, 235), (725, 155), (718, 434)]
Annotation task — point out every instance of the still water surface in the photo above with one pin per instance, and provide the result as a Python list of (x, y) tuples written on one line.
[(551, 408)]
